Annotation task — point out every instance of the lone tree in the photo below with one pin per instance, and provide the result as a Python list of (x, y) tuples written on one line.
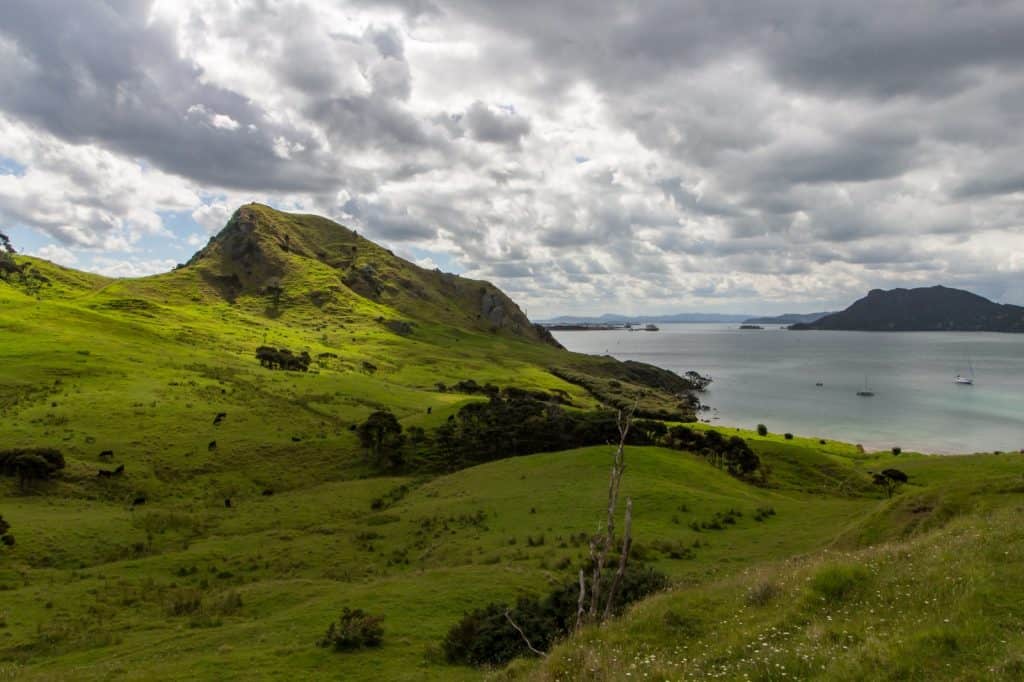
[(5, 536), (890, 480), (381, 434), (7, 264)]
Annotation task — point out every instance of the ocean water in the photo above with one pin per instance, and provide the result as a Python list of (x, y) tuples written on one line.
[(768, 376)]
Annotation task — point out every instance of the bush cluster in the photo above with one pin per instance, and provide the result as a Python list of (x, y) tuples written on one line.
[(486, 637), (354, 629), (732, 454), (282, 358), (31, 464)]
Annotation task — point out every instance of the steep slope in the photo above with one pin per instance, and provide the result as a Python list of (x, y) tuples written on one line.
[(935, 308), (264, 252), (939, 599)]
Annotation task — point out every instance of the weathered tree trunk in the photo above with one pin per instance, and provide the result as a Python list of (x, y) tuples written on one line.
[(601, 546), (580, 605), (627, 543)]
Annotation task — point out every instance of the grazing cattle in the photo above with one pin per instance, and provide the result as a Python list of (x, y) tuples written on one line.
[(106, 454), (105, 473), (141, 499), (268, 492), (227, 502), (429, 410), (219, 418), (212, 446), (296, 439)]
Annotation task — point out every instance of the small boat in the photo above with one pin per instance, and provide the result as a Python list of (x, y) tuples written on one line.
[(651, 328), (966, 380), (866, 393), (819, 384)]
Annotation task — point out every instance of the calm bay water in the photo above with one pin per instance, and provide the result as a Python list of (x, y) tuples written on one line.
[(769, 377)]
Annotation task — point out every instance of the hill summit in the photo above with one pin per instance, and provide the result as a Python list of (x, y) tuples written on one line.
[(936, 308), (265, 251)]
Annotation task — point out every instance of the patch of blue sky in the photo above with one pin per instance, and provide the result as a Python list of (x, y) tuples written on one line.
[(440, 259), (9, 166)]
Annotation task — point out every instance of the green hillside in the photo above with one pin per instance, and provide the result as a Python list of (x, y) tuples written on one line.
[(248, 513)]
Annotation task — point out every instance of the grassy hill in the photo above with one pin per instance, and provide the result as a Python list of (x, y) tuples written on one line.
[(182, 586), (925, 587)]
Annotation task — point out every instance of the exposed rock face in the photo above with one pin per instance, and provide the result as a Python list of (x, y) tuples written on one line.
[(364, 281), (493, 310), (242, 257)]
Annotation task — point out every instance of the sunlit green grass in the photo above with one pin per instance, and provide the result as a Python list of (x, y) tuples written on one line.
[(96, 589)]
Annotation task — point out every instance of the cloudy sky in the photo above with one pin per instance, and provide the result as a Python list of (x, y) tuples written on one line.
[(587, 157)]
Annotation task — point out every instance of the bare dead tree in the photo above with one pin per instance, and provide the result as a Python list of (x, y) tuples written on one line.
[(580, 605), (601, 545), (508, 617), (627, 543)]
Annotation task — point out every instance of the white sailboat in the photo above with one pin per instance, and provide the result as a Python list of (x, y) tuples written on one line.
[(966, 380), (866, 393)]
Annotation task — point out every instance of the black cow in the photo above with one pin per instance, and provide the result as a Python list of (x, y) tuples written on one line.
[(219, 418), (212, 446), (106, 454), (227, 502), (140, 500)]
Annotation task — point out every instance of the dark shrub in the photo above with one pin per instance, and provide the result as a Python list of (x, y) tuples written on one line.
[(788, 436), (30, 464), (355, 629), (381, 434), (762, 430), (762, 594), (485, 636), (5, 536), (897, 450), (282, 358)]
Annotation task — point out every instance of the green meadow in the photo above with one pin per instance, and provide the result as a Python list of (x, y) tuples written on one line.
[(840, 582)]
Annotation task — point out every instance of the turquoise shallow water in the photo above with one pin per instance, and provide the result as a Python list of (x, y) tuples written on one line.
[(769, 377)]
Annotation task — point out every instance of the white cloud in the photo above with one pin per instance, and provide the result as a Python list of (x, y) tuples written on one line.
[(58, 254), (725, 164), (114, 267)]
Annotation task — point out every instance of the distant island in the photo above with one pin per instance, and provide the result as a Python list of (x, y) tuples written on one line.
[(788, 318), (617, 320), (936, 308)]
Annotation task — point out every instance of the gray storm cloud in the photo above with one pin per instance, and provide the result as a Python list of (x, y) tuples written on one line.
[(667, 154)]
